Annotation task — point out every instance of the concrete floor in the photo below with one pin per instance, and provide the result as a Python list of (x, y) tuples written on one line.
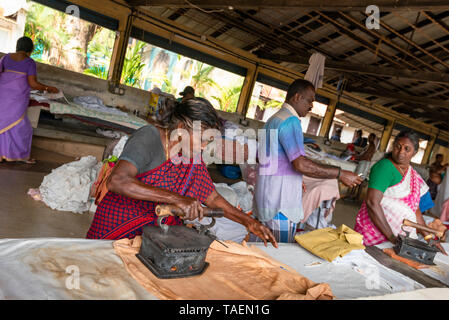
[(23, 217)]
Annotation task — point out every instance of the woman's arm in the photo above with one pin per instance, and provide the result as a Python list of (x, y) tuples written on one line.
[(215, 200), (36, 85), (377, 215), (123, 181)]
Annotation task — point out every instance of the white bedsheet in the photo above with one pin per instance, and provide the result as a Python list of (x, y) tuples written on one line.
[(37, 269)]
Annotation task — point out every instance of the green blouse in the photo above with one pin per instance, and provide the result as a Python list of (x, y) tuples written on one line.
[(384, 175)]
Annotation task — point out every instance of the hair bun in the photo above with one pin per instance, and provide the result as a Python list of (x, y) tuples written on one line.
[(166, 110)]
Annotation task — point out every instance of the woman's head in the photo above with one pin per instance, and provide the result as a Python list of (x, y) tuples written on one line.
[(25, 44), (188, 121), (183, 114), (405, 146)]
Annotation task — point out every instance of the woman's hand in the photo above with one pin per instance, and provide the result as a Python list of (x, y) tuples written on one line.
[(254, 226), (393, 239), (52, 90), (191, 207), (440, 247)]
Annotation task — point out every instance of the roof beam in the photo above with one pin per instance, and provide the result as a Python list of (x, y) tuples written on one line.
[(438, 77), (402, 97), (326, 5)]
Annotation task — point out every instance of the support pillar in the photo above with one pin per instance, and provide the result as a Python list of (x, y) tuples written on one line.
[(247, 91), (328, 119), (386, 135), (429, 148), (119, 53)]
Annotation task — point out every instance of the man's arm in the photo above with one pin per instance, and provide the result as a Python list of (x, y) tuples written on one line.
[(367, 155), (315, 170)]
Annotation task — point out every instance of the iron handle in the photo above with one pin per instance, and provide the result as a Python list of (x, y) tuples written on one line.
[(409, 223), (171, 210)]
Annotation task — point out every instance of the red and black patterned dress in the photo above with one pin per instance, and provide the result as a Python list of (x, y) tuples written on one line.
[(120, 217)]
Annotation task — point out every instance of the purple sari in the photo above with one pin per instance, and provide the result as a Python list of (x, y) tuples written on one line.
[(15, 129)]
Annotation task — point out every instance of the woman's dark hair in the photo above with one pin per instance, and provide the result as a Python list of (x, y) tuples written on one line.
[(195, 109), (24, 44), (411, 135)]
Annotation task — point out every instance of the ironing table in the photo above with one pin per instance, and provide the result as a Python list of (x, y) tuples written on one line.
[(46, 268)]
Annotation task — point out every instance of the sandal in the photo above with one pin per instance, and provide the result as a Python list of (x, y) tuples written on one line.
[(29, 161)]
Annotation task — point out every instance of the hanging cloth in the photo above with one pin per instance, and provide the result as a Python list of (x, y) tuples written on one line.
[(315, 73)]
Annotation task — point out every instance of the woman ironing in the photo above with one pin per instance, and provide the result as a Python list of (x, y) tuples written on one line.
[(17, 78)]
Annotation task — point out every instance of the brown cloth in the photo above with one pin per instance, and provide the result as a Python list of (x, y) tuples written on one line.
[(99, 188), (411, 263), (438, 225), (235, 273)]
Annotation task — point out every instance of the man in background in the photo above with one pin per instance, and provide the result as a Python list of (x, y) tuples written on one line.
[(283, 162), (187, 93), (436, 175)]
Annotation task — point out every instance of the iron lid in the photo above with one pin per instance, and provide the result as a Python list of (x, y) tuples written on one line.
[(178, 238)]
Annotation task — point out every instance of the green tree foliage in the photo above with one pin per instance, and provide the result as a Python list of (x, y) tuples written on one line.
[(202, 80), (133, 66), (228, 98), (41, 26)]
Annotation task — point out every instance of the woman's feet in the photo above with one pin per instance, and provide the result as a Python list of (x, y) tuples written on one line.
[(29, 161)]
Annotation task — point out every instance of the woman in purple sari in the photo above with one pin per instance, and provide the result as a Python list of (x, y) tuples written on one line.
[(17, 78)]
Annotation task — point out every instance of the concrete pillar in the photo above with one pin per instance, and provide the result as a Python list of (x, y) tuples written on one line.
[(386, 135), (429, 148), (247, 90), (328, 119)]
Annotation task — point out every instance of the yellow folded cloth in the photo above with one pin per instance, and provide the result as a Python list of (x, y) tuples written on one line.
[(329, 243)]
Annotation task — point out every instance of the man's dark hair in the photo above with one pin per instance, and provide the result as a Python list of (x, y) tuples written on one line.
[(411, 135), (298, 86), (195, 109), (439, 155), (359, 132), (24, 44)]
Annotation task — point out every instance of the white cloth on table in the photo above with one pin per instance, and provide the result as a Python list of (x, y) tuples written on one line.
[(48, 269), (96, 104), (44, 268)]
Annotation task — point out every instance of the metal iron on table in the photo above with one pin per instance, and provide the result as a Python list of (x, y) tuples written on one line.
[(415, 249), (176, 251)]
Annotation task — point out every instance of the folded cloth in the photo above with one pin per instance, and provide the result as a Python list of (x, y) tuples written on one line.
[(329, 243), (238, 272)]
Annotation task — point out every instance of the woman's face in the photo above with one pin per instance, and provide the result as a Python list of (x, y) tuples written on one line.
[(192, 143), (403, 151)]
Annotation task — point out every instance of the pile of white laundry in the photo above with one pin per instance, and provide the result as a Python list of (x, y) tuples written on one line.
[(239, 195), (67, 188)]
